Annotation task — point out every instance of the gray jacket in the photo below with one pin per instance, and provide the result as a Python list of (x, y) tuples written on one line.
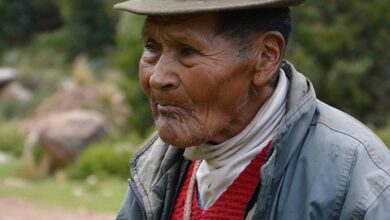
[(323, 164)]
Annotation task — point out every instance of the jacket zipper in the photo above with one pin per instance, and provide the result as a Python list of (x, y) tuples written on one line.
[(138, 198)]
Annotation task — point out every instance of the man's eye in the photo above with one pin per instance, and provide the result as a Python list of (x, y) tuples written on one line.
[(186, 50), (152, 46)]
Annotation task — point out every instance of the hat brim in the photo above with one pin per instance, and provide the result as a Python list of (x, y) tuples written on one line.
[(168, 7)]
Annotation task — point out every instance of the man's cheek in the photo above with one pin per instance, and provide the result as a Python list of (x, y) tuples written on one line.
[(143, 81), (144, 77)]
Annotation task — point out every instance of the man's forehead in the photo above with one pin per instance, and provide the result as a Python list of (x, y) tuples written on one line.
[(185, 22)]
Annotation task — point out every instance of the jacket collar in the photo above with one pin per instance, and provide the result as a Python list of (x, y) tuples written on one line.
[(156, 171), (301, 105)]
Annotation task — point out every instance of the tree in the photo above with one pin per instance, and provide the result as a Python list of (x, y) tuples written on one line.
[(15, 22), (88, 26), (343, 47)]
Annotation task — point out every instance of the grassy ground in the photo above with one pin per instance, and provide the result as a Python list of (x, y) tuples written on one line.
[(96, 196)]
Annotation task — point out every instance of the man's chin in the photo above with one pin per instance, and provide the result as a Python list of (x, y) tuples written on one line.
[(174, 142), (178, 137)]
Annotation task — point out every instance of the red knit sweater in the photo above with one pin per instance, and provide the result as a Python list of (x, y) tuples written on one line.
[(231, 204)]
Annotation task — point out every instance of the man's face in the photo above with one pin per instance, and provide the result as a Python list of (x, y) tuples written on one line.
[(198, 86)]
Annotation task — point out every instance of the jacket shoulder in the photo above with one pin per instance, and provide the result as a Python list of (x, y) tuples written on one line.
[(342, 129), (368, 176)]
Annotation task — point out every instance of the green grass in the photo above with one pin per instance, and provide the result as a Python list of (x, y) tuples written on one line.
[(8, 169), (104, 196)]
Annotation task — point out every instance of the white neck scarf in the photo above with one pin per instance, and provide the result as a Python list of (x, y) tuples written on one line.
[(221, 164)]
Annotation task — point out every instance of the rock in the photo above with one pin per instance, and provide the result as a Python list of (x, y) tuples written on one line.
[(15, 91), (7, 75), (11, 90), (63, 136), (102, 97)]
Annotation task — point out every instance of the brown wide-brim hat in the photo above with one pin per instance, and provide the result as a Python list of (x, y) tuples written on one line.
[(167, 7)]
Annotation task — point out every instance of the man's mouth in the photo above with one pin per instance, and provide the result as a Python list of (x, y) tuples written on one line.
[(166, 109), (175, 108)]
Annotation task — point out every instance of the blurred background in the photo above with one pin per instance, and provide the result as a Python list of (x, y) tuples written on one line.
[(72, 112)]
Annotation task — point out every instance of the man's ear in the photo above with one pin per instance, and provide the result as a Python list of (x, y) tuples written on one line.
[(268, 48)]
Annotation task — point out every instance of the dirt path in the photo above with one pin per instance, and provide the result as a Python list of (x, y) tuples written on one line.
[(20, 209)]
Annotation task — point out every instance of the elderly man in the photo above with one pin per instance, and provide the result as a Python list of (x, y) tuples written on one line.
[(241, 134)]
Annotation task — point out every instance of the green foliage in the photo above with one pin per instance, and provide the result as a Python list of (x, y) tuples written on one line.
[(52, 42), (12, 139), (88, 25), (343, 47), (129, 43), (15, 22), (129, 48), (82, 26), (19, 19), (46, 15), (101, 160)]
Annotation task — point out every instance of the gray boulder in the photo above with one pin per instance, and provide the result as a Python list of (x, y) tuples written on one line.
[(7, 75), (15, 91), (63, 136), (10, 89)]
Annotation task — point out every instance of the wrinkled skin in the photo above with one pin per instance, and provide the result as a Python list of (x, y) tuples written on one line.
[(199, 89)]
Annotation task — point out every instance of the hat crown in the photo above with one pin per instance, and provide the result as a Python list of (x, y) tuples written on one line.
[(166, 7)]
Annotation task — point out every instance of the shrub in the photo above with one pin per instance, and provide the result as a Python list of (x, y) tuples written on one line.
[(102, 160), (12, 139)]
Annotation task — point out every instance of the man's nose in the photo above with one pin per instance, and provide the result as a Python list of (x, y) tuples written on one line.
[(164, 76)]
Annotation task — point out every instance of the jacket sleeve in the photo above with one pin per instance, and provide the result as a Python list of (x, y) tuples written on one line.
[(380, 209), (130, 209)]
